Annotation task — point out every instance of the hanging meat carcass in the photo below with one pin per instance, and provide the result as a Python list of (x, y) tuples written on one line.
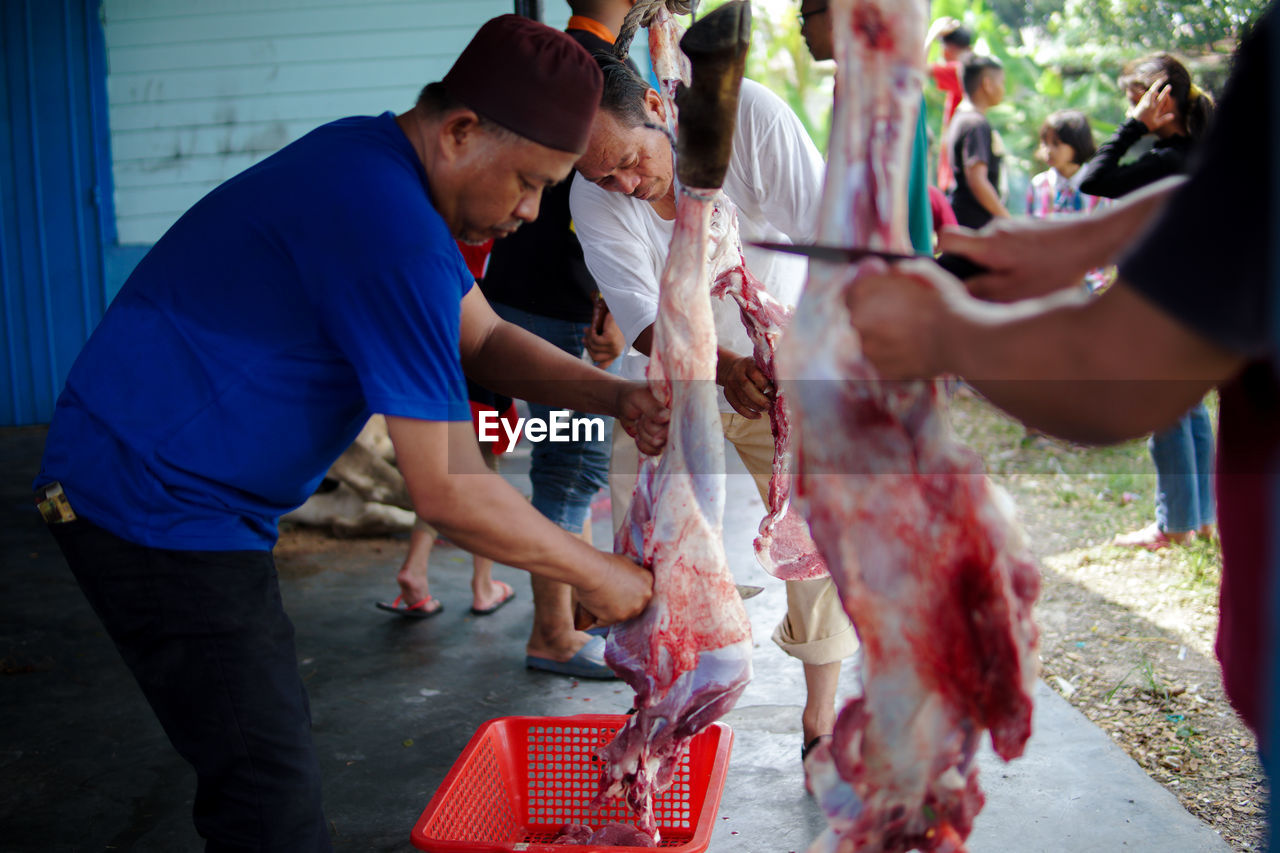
[(688, 656), (929, 567), (783, 547)]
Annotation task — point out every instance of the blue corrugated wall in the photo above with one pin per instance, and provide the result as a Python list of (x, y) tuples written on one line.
[(55, 197)]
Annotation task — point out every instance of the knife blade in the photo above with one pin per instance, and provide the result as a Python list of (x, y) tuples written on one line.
[(959, 266), (834, 254)]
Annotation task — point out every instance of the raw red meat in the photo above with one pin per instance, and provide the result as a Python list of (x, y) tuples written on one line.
[(608, 835), (688, 656), (784, 547), (929, 567)]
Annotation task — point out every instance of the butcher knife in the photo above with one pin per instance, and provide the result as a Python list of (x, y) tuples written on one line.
[(959, 266)]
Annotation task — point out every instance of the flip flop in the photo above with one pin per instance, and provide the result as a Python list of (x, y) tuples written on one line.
[(417, 610), (587, 663), (494, 608)]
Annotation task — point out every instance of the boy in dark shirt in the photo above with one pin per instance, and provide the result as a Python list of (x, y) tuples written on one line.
[(976, 149)]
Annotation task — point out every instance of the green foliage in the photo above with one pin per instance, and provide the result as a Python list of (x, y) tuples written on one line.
[(1057, 54), (781, 61)]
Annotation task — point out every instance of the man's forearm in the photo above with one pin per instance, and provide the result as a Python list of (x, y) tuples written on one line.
[(517, 363), (1111, 231), (1078, 371), (453, 490)]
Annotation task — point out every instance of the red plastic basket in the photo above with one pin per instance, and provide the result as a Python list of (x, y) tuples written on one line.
[(520, 779)]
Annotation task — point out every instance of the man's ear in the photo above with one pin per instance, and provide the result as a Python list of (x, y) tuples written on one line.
[(654, 105), (459, 129)]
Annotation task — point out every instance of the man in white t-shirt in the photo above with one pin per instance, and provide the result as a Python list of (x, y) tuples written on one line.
[(623, 206)]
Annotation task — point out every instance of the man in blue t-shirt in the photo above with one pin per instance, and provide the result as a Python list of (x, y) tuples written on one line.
[(245, 353)]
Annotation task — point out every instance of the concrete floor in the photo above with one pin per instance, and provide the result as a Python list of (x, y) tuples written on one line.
[(84, 766)]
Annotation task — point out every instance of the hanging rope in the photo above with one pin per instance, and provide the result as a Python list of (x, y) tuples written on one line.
[(641, 15)]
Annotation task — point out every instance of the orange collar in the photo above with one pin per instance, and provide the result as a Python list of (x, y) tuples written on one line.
[(591, 25)]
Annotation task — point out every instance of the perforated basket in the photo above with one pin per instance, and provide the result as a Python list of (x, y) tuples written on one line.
[(520, 779)]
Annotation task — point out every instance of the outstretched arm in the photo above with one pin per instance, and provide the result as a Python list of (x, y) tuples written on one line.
[(1033, 257), (1109, 369), (453, 490), (509, 360)]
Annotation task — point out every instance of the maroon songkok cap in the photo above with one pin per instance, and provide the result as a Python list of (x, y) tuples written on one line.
[(531, 79)]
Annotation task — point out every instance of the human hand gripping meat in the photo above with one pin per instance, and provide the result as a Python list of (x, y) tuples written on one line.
[(616, 590), (746, 387), (643, 417), (902, 316)]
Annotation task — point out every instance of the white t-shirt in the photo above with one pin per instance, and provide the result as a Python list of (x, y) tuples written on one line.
[(775, 181)]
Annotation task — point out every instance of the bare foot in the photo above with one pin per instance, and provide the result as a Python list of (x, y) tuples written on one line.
[(559, 648), (412, 588), (488, 599)]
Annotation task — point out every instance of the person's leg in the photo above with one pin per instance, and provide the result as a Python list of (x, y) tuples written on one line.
[(821, 680), (1177, 503), (415, 589), (624, 467), (487, 594), (565, 476), (1202, 449), (207, 639), (815, 630)]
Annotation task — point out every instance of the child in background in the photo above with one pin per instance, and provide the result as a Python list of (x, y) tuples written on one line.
[(976, 149), (1066, 144), (957, 44)]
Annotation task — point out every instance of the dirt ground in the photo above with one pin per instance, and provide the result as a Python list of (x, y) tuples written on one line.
[(1127, 636)]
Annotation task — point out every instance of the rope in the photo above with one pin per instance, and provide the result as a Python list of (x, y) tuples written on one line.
[(641, 15)]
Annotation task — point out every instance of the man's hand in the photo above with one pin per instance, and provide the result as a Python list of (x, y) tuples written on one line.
[(1026, 258), (622, 591), (1156, 108), (900, 313), (604, 340), (745, 385), (643, 417)]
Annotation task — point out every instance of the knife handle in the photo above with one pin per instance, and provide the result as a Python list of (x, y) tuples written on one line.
[(959, 266)]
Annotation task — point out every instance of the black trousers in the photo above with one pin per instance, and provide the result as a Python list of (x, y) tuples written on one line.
[(207, 639)]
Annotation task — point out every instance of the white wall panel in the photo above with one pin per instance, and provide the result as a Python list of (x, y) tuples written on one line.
[(199, 90)]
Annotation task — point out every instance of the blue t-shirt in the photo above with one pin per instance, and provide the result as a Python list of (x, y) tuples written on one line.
[(255, 338)]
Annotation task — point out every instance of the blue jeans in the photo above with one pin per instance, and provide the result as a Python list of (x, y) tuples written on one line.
[(1183, 455), (565, 475), (208, 641)]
